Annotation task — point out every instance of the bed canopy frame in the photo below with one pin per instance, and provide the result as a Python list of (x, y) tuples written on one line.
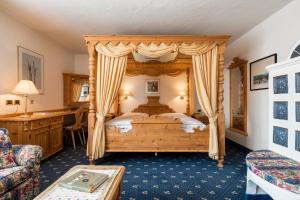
[(182, 63)]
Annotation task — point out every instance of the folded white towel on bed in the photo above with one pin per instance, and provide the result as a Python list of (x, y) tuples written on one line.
[(123, 122), (188, 123)]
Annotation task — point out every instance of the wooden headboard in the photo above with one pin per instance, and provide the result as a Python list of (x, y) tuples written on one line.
[(153, 107)]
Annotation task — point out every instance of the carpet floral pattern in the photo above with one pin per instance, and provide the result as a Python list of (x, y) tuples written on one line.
[(165, 176)]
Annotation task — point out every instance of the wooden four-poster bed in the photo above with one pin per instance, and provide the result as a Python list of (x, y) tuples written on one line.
[(154, 134)]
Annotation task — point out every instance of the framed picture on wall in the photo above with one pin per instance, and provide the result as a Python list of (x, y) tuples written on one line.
[(259, 77), (152, 86), (31, 67)]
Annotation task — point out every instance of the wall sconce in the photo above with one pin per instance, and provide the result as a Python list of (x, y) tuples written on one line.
[(181, 95), (126, 94)]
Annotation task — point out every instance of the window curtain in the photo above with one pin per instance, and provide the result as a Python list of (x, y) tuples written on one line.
[(205, 69), (76, 90), (111, 67)]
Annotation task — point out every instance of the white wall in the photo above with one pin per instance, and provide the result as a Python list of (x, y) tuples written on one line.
[(81, 64), (277, 34), (57, 60)]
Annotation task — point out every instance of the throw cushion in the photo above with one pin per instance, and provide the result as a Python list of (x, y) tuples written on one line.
[(6, 152)]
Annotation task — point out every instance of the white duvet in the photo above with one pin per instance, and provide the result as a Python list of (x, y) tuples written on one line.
[(123, 122), (188, 123)]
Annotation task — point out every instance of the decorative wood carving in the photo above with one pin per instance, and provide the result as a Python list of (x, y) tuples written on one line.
[(156, 39), (153, 107), (92, 79), (221, 115)]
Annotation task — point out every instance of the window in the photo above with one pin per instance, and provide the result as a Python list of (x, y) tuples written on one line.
[(296, 52)]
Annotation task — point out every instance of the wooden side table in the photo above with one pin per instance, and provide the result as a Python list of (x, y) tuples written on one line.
[(110, 190)]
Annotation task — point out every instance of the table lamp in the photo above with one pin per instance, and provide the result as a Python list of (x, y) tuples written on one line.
[(25, 87)]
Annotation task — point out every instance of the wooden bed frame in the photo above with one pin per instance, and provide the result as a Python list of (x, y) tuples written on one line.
[(156, 134), (179, 62)]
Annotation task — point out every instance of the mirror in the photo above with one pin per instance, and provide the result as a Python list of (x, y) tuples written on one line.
[(238, 96), (76, 89), (80, 90)]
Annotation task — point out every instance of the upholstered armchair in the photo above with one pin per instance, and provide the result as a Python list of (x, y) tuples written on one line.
[(19, 169)]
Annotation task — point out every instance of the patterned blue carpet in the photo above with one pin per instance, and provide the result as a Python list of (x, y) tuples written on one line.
[(166, 176)]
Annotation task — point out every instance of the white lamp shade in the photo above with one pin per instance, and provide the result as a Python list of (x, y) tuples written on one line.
[(25, 87)]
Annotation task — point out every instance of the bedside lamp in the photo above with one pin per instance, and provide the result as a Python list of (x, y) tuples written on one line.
[(25, 87)]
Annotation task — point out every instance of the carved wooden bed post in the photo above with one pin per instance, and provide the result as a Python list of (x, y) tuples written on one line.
[(92, 94), (188, 111), (221, 115)]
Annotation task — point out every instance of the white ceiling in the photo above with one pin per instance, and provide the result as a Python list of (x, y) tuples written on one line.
[(66, 21)]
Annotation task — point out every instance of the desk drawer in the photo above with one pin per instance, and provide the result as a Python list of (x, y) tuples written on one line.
[(56, 120), (40, 123)]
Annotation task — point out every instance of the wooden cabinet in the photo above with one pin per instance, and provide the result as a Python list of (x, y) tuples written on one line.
[(56, 142), (41, 137), (43, 130)]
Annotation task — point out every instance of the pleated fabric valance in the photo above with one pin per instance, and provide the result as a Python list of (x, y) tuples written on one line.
[(111, 67)]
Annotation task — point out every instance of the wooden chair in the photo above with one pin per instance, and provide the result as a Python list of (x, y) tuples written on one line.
[(76, 128), (84, 125)]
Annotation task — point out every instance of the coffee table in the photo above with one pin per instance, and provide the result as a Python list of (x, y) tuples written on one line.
[(110, 190)]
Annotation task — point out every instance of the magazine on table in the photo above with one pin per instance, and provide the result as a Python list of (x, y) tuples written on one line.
[(84, 181)]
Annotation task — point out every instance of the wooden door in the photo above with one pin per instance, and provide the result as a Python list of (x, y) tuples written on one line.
[(56, 138), (41, 137)]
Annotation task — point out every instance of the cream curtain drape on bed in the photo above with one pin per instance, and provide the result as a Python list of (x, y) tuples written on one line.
[(205, 69), (154, 51), (112, 62)]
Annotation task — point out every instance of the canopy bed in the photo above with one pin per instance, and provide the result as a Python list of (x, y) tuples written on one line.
[(110, 57)]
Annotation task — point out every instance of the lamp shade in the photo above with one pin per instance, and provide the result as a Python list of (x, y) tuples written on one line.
[(25, 87)]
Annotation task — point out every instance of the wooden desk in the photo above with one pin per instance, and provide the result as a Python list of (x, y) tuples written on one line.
[(43, 129), (111, 188)]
